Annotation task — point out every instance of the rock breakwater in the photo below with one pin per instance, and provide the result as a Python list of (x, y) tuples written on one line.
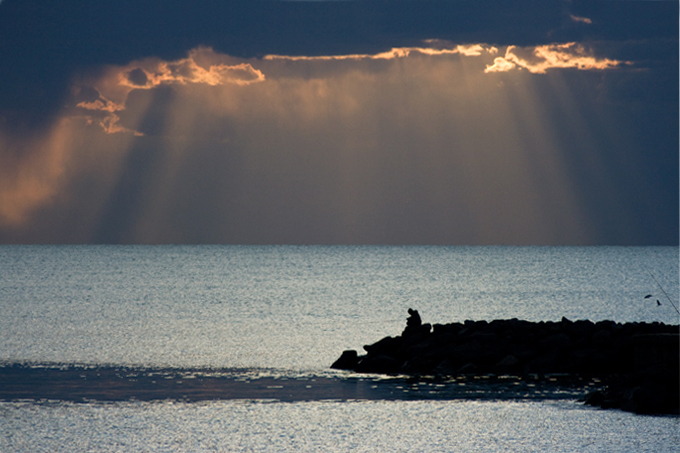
[(638, 363)]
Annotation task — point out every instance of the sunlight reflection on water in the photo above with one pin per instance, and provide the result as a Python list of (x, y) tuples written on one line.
[(430, 426)]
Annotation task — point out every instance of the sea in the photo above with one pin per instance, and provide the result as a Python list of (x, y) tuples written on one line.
[(281, 315)]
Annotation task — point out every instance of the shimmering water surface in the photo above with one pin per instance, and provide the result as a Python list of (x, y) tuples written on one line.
[(283, 311), (375, 426)]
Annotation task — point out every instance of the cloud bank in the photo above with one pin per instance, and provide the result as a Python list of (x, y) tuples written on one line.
[(540, 59), (203, 66), (200, 67)]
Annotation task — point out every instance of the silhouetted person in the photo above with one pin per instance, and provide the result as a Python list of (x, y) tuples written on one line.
[(414, 318)]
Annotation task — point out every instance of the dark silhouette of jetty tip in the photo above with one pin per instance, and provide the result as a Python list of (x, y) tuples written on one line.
[(635, 364)]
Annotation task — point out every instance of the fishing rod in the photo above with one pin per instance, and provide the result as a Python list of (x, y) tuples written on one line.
[(662, 290)]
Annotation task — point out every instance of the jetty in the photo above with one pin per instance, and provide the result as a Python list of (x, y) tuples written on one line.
[(636, 364)]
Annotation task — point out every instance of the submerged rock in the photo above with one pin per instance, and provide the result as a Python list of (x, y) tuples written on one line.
[(638, 362)]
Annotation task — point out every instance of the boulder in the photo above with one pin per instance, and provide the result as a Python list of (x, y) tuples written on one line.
[(347, 361), (380, 364), (445, 368), (468, 368), (652, 397), (509, 365), (390, 346)]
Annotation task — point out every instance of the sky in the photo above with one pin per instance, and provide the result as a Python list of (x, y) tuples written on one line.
[(459, 122)]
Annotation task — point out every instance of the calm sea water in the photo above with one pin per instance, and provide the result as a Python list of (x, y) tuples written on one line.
[(285, 311)]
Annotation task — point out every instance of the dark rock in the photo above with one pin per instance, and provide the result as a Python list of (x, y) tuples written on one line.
[(602, 338), (420, 348), (655, 350), (347, 361), (418, 365), (445, 338), (486, 338), (638, 362), (389, 346), (446, 330), (524, 352), (558, 340), (510, 364), (467, 352), (579, 330), (603, 362), (545, 363), (423, 329), (634, 393), (380, 364), (468, 368), (445, 367), (581, 361), (595, 398), (652, 397)]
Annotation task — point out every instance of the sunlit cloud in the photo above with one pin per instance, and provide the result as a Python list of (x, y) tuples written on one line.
[(539, 59), (500, 64), (199, 67), (583, 20), (396, 52), (187, 71)]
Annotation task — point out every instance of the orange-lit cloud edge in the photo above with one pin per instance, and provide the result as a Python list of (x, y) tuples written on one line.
[(117, 82), (198, 68), (542, 58)]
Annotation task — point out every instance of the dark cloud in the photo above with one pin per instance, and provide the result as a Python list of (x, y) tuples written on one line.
[(137, 77)]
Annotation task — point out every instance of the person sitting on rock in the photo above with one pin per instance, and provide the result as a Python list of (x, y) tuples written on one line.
[(414, 318)]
